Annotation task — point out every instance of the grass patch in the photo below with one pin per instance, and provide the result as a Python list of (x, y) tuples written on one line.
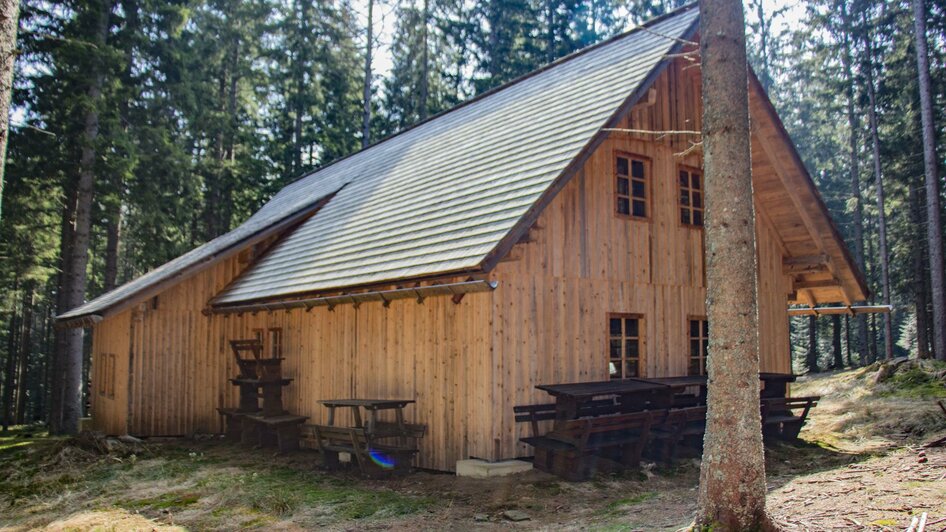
[(618, 506), (914, 383)]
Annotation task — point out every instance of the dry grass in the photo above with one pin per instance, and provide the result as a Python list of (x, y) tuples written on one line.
[(858, 466)]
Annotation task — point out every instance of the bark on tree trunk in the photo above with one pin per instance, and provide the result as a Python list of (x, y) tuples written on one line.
[(9, 372), (112, 240), (811, 356), (75, 274), (847, 340), (425, 62), (934, 226), (732, 474), (879, 185), (921, 299), (60, 344), (836, 341), (854, 126), (9, 17), (366, 113), (26, 345)]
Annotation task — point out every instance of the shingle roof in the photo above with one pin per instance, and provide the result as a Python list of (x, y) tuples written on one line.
[(440, 196)]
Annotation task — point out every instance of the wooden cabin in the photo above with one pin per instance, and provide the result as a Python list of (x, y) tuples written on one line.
[(468, 259)]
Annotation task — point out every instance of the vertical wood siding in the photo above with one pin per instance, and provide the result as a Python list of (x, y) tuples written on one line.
[(465, 364)]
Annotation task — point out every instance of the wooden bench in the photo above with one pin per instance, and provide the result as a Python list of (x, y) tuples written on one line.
[(533, 414), (574, 450), (281, 432), (779, 417), (374, 460), (676, 426)]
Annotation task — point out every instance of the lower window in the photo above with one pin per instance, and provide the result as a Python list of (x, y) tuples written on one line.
[(699, 345), (625, 334)]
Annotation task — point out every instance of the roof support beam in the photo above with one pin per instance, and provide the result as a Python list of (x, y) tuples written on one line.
[(850, 310)]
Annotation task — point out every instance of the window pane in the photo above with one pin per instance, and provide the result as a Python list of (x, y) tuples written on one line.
[(697, 199), (685, 216), (631, 327), (633, 348), (705, 328), (703, 365), (684, 179), (622, 166), (637, 169), (694, 328), (705, 348), (613, 369), (640, 208), (631, 369), (615, 326), (638, 189), (695, 181), (615, 349), (622, 186), (697, 217), (694, 348), (684, 198), (624, 206), (694, 368)]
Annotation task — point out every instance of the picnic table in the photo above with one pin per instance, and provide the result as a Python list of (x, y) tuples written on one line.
[(368, 440), (775, 384), (631, 395)]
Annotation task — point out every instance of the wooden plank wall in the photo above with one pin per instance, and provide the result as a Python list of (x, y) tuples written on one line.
[(465, 364), (584, 262), (436, 353), (111, 338)]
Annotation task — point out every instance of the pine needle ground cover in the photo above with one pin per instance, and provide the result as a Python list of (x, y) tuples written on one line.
[(860, 465)]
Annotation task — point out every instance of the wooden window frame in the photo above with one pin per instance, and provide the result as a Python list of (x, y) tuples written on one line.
[(690, 208), (274, 342), (641, 344), (648, 186), (101, 372), (702, 338)]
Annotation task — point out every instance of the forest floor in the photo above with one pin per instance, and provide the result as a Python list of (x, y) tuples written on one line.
[(860, 465)]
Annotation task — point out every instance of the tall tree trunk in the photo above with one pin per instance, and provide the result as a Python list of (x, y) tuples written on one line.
[(26, 345), (55, 379), (366, 113), (934, 226), (425, 62), (836, 341), (921, 296), (854, 126), (732, 474), (847, 340), (75, 274), (112, 240), (879, 185), (9, 17), (9, 372), (811, 355), (550, 31)]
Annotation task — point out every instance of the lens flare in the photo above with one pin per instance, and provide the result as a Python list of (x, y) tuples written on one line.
[(382, 460)]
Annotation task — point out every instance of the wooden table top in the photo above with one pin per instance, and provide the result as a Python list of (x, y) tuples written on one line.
[(786, 377), (588, 390), (683, 381), (368, 404)]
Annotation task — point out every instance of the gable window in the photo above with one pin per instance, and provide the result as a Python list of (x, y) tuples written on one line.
[(630, 190), (275, 343), (699, 345), (625, 334), (106, 375), (691, 196)]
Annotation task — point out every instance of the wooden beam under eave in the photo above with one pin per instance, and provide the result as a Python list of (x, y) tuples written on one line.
[(851, 310), (822, 283)]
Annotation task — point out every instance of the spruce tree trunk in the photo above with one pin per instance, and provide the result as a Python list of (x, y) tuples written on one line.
[(425, 62), (25, 351), (921, 296), (854, 127), (879, 185), (9, 17), (732, 474), (847, 340), (836, 341), (112, 240), (811, 355), (934, 226), (74, 288), (366, 113), (9, 372)]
